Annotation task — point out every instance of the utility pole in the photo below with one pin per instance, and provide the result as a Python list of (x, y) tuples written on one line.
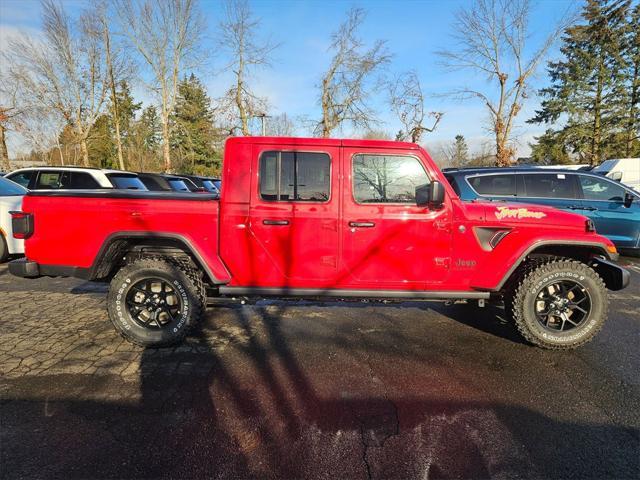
[(262, 117)]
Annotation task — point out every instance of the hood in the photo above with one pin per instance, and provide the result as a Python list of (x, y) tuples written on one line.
[(530, 214)]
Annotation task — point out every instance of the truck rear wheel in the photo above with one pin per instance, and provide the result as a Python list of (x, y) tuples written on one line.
[(558, 304), (152, 302)]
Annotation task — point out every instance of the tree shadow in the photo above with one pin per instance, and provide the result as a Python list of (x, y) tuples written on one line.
[(246, 398)]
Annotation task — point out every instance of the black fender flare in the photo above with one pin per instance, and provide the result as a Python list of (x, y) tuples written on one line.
[(97, 269)]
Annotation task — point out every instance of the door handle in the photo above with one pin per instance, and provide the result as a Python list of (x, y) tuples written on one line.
[(590, 209), (275, 222), (362, 224), (574, 207)]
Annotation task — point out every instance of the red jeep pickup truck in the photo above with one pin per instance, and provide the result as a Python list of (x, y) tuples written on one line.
[(321, 217)]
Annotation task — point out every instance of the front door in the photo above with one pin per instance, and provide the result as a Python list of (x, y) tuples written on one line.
[(294, 217), (604, 200), (388, 241)]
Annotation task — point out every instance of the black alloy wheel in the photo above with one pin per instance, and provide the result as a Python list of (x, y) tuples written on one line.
[(562, 305), (153, 303)]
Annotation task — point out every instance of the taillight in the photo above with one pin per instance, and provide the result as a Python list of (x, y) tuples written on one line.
[(22, 224)]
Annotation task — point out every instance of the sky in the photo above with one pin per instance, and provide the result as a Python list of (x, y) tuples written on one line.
[(413, 29)]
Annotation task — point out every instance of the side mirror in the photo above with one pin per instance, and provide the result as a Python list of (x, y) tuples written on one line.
[(617, 176), (430, 195), (628, 199)]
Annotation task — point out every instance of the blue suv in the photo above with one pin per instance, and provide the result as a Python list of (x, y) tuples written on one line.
[(613, 207)]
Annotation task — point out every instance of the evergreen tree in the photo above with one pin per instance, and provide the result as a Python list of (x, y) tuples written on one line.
[(631, 55), (461, 151), (193, 130), (127, 109), (550, 149), (101, 145), (144, 141), (588, 84)]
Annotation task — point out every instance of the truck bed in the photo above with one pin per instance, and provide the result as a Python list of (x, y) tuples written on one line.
[(71, 228)]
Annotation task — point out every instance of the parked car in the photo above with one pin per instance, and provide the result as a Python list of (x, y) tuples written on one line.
[(625, 170), (180, 183), (322, 217), (10, 200), (74, 178), (613, 208), (154, 182), (205, 183)]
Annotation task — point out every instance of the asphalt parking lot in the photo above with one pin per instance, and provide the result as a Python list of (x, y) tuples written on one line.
[(311, 390)]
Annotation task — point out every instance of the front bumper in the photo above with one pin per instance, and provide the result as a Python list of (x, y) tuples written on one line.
[(615, 277)]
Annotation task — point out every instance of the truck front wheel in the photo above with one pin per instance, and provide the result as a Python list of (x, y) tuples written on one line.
[(153, 302), (558, 304)]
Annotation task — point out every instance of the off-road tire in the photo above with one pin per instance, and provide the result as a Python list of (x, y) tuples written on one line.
[(185, 284), (4, 249), (520, 301)]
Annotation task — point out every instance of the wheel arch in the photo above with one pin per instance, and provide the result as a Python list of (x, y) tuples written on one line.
[(118, 246), (581, 251)]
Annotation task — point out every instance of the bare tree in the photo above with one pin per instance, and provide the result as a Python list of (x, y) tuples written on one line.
[(118, 67), (407, 102), (63, 72), (238, 37), (167, 36), (345, 86), (280, 126), (493, 38)]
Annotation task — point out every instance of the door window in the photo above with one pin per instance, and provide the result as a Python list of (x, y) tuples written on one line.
[(295, 176), (387, 178), (48, 180), (549, 185), (600, 189), (494, 184)]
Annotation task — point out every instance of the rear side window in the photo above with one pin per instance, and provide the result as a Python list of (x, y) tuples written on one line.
[(550, 185), (387, 178), (126, 182), (22, 178), (178, 185), (82, 180), (494, 184), (600, 189), (295, 176)]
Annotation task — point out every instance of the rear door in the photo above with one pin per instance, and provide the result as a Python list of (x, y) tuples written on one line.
[(294, 217), (559, 190), (604, 199), (388, 241)]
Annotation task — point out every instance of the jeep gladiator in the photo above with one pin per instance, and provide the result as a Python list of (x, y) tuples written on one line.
[(315, 218)]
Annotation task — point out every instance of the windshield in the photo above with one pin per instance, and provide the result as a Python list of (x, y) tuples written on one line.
[(126, 182), (10, 189)]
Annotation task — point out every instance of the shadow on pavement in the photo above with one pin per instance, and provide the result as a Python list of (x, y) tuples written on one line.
[(242, 402)]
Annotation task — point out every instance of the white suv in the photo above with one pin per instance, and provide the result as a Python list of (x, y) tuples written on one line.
[(74, 178), (10, 199)]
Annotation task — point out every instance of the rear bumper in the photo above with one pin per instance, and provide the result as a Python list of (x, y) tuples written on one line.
[(24, 268), (615, 277), (28, 269)]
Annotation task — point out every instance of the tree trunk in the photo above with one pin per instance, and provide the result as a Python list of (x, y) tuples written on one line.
[(114, 97), (4, 153), (597, 112), (166, 151), (85, 152), (632, 133)]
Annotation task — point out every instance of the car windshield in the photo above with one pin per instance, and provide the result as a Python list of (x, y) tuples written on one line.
[(126, 182), (10, 189)]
